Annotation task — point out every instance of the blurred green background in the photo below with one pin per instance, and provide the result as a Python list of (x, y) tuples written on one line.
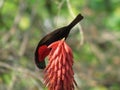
[(24, 22)]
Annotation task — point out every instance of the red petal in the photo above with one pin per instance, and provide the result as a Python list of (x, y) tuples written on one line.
[(63, 70), (59, 73)]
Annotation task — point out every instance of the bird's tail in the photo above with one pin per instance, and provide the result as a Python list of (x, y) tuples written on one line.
[(78, 18)]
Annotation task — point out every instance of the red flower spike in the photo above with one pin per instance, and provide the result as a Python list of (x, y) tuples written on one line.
[(59, 73)]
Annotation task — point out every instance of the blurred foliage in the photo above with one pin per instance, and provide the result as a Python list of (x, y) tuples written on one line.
[(24, 22)]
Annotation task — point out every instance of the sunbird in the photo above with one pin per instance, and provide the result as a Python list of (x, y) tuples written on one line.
[(42, 49)]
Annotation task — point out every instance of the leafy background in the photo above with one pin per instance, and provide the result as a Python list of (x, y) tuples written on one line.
[(96, 46)]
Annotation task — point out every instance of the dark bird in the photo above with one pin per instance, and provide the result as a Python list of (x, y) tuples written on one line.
[(42, 50)]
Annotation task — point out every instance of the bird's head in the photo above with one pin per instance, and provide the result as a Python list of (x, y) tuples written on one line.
[(40, 55)]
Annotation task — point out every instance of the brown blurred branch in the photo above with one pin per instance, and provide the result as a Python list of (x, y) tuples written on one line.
[(10, 86), (23, 44), (1, 3), (26, 34), (24, 71), (80, 27)]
